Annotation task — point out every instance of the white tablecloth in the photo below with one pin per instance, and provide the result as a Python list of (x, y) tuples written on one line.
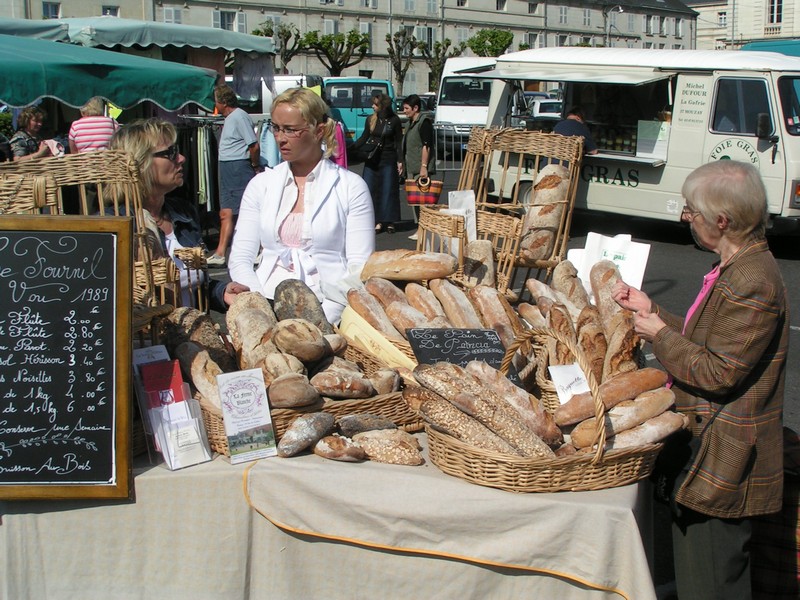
[(350, 531)]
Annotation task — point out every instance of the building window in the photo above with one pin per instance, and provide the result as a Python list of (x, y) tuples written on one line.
[(110, 11), (678, 27), (722, 19), (230, 20), (663, 26), (612, 19), (433, 7), (172, 15), (562, 15), (587, 17), (462, 35), (366, 28), (677, 46), (331, 27), (648, 45), (532, 39), (532, 7), (563, 40), (410, 6), (775, 15), (648, 24), (51, 10), (461, 3), (424, 34), (631, 23), (501, 5)]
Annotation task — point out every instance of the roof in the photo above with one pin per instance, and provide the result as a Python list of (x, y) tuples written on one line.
[(668, 60), (108, 32), (671, 6)]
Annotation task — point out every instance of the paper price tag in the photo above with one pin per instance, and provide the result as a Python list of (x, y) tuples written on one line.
[(568, 380)]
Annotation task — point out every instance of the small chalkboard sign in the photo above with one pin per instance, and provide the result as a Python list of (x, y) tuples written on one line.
[(459, 346), (65, 357)]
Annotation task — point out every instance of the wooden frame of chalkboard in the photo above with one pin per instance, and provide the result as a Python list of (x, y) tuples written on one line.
[(65, 357)]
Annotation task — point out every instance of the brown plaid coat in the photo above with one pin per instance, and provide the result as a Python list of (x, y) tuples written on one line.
[(734, 354)]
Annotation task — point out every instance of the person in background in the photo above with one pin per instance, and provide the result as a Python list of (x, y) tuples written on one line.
[(239, 160), (419, 158), (27, 142), (5, 149), (171, 223), (727, 362), (93, 131), (382, 172), (574, 124), (313, 218)]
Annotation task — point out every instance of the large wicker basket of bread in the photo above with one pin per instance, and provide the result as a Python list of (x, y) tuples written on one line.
[(496, 450)]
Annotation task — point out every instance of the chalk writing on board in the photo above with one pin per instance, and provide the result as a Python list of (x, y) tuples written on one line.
[(57, 335)]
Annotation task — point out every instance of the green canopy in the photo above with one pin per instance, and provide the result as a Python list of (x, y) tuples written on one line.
[(787, 47), (34, 68)]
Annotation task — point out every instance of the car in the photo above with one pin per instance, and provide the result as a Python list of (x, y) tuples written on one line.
[(531, 96)]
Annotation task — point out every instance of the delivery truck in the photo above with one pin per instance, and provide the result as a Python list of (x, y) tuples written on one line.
[(656, 115)]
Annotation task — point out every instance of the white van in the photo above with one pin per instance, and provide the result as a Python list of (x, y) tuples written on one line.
[(658, 114), (462, 103), (259, 107)]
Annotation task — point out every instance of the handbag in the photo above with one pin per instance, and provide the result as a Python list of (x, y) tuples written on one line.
[(423, 190), (674, 462), (370, 150)]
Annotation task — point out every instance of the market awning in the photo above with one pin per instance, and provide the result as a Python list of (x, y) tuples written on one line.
[(34, 69), (565, 73), (109, 32)]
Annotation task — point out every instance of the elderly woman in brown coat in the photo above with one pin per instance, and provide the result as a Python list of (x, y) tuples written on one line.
[(727, 360)]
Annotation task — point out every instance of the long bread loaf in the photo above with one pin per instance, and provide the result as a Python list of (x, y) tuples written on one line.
[(625, 386), (457, 306), (409, 265), (424, 301), (650, 432), (368, 307), (385, 291)]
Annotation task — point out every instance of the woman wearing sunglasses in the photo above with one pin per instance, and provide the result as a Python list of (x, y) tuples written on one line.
[(313, 219), (172, 223)]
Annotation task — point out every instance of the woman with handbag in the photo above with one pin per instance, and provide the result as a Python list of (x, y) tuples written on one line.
[(727, 363), (419, 158), (379, 145)]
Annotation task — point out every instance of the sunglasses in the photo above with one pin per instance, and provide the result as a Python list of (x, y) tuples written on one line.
[(170, 153)]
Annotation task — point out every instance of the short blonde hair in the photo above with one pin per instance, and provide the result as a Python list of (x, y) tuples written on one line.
[(140, 139), (94, 107), (733, 189), (314, 111)]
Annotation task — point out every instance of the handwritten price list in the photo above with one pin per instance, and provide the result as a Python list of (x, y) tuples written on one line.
[(56, 357)]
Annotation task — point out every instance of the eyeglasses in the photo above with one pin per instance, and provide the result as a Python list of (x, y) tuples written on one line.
[(687, 214), (170, 153), (289, 132)]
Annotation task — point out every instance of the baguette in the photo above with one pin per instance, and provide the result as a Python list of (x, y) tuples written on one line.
[(529, 408), (409, 265), (404, 316), (603, 275), (459, 310), (566, 281), (424, 301), (531, 314), (592, 340), (385, 291), (625, 415), (543, 216), (625, 386), (444, 417), (496, 313), (651, 431), (504, 424), (561, 322), (368, 307), (622, 344)]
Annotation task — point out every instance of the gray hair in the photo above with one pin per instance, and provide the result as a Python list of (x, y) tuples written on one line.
[(733, 189)]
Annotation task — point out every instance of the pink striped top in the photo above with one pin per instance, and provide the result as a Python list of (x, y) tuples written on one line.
[(92, 133)]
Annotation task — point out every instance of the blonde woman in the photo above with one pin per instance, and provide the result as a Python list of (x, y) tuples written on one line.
[(313, 219), (93, 131)]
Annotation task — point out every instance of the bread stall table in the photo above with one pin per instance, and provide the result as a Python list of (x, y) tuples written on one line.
[(185, 536), (343, 530)]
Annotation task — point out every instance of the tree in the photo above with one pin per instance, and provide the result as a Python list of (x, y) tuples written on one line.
[(401, 48), (287, 40), (337, 51), (435, 58), (490, 42)]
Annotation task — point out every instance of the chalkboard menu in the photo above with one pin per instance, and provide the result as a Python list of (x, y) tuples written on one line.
[(459, 346), (65, 319)]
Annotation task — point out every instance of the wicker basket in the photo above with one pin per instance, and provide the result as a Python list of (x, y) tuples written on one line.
[(391, 406), (581, 472)]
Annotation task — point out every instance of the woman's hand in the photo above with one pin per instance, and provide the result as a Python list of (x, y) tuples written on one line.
[(232, 289), (647, 324), (399, 168), (630, 298), (44, 150)]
